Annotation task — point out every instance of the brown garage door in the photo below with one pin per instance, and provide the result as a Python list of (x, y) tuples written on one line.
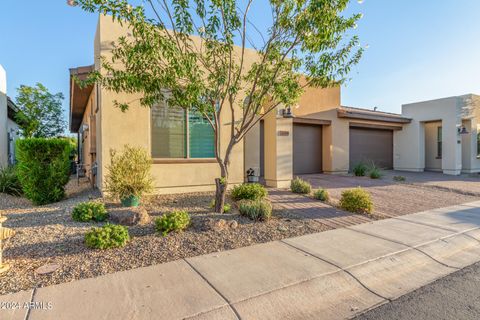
[(367, 145), (307, 149)]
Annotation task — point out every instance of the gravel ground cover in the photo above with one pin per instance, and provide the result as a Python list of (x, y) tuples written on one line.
[(48, 235), (392, 198)]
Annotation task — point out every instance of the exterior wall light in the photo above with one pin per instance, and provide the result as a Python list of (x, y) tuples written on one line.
[(462, 130)]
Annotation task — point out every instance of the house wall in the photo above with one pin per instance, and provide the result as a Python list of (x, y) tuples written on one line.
[(88, 137), (432, 162), (409, 147), (3, 118), (14, 130), (115, 129)]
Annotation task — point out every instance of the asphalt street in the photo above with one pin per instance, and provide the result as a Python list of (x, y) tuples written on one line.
[(455, 297)]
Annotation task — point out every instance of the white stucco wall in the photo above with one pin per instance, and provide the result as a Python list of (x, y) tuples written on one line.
[(409, 147), (3, 118)]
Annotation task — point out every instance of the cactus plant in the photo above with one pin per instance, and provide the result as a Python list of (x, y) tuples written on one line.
[(5, 233)]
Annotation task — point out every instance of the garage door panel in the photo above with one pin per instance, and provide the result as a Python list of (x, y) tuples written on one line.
[(307, 149), (371, 145)]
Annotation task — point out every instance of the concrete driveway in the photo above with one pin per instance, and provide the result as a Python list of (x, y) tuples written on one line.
[(420, 191)]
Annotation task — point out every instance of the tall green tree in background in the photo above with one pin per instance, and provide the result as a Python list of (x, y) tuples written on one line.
[(308, 40), (40, 112)]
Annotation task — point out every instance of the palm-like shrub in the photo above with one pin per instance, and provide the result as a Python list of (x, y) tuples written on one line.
[(356, 200), (129, 173)]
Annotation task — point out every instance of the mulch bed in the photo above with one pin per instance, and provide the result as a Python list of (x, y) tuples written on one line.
[(47, 234)]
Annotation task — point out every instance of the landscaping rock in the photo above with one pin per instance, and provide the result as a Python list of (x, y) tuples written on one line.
[(233, 224), (47, 269), (129, 216), (220, 224)]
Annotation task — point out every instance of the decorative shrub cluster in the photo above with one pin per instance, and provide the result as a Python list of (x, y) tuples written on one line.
[(87, 211), (43, 168), (375, 173), (129, 173), (173, 221), (356, 200), (258, 210), (108, 236), (399, 178), (9, 182), (321, 194), (360, 169), (298, 185), (249, 191), (226, 207)]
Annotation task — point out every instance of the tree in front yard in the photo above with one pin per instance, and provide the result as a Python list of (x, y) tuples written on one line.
[(40, 112), (194, 55)]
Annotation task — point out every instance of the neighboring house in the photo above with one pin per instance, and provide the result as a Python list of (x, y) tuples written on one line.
[(322, 136), (443, 136), (9, 130)]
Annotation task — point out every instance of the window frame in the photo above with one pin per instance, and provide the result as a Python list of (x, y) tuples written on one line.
[(187, 159)]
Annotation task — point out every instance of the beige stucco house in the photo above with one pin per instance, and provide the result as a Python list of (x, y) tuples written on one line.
[(317, 135), (442, 136), (9, 130)]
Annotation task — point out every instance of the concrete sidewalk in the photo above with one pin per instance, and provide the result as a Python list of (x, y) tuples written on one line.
[(330, 275)]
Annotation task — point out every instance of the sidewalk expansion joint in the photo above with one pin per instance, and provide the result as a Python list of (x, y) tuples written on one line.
[(337, 266), (32, 297), (414, 248), (216, 290), (433, 225)]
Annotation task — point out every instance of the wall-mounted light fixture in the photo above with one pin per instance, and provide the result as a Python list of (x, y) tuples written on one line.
[(462, 130)]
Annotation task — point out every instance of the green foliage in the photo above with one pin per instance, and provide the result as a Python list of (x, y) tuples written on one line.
[(43, 168), (9, 182), (321, 194), (40, 112), (299, 185), (106, 237), (258, 210), (360, 169), (226, 207), (129, 173), (249, 191), (400, 178), (375, 173), (87, 211), (173, 221), (356, 200)]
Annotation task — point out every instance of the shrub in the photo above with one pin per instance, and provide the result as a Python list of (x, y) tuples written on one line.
[(375, 173), (87, 211), (298, 185), (356, 200), (108, 236), (321, 194), (129, 173), (249, 191), (173, 221), (43, 168), (226, 207), (399, 178), (360, 169), (258, 210), (9, 182)]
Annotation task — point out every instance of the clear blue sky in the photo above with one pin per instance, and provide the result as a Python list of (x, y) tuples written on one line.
[(418, 50)]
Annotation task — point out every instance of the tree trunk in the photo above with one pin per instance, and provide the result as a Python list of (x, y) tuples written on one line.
[(221, 187)]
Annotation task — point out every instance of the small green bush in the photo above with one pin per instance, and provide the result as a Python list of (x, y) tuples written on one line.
[(258, 210), (106, 237), (360, 169), (173, 221), (399, 178), (249, 191), (226, 207), (356, 200), (43, 168), (321, 194), (298, 185), (87, 211), (375, 173), (9, 182)]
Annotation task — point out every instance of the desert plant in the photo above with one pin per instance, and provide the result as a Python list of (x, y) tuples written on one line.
[(356, 200), (375, 173), (299, 185), (360, 169), (43, 168), (321, 194), (226, 207), (108, 236), (249, 191), (87, 211), (258, 210), (399, 178), (129, 174), (9, 182), (173, 221)]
